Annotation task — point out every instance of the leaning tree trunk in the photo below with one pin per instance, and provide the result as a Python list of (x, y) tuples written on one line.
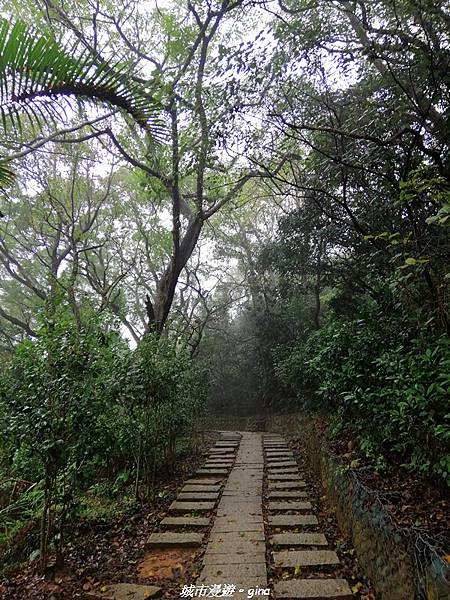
[(159, 309)]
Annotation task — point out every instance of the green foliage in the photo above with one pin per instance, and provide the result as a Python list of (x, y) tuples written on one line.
[(378, 360), (7, 177), (35, 69), (38, 75), (380, 370), (160, 393), (77, 403)]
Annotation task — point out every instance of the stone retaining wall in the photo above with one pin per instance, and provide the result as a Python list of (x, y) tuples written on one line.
[(400, 566)]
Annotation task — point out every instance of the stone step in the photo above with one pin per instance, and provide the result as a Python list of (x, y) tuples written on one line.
[(289, 506), (172, 538), (305, 558), (185, 522), (189, 507), (211, 472), (287, 494), (238, 523), (283, 477), (124, 591), (246, 509), (286, 521), (275, 446), (203, 481), (282, 470), (234, 558), (290, 485), (280, 456), (299, 539), (198, 496), (193, 487), (310, 589), (246, 503), (220, 457), (226, 445), (281, 465), (246, 492)]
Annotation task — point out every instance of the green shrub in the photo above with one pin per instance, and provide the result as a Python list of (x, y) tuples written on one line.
[(77, 404), (384, 381)]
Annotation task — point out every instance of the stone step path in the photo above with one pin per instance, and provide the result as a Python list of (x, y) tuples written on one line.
[(226, 495), (236, 550), (288, 508), (198, 497)]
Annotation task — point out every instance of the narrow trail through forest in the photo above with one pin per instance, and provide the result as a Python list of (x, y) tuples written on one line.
[(253, 495)]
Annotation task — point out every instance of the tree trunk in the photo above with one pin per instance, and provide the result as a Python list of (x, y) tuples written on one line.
[(158, 310)]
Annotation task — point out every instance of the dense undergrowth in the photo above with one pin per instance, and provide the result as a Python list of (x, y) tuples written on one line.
[(376, 358), (86, 424), (381, 380)]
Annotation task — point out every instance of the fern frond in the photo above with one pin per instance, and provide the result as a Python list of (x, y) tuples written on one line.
[(37, 71), (7, 177)]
